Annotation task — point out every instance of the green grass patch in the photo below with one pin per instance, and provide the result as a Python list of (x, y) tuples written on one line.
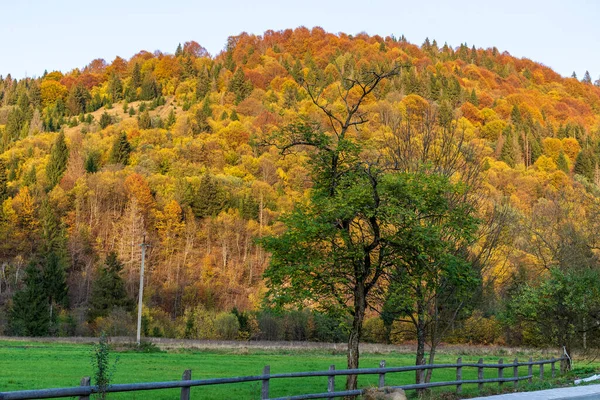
[(36, 365)]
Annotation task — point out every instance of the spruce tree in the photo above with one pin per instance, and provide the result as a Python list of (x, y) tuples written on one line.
[(562, 163), (171, 119), (584, 165), (508, 154), (3, 181), (59, 155), (239, 86), (473, 98), (30, 312), (209, 199), (201, 117), (105, 120), (120, 150), (115, 88), (587, 78), (136, 76), (203, 84), (108, 289)]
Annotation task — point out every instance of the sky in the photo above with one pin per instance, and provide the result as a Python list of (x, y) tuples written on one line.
[(38, 35)]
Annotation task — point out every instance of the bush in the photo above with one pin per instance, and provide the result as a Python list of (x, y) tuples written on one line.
[(226, 326), (269, 326), (373, 330), (118, 323), (479, 329)]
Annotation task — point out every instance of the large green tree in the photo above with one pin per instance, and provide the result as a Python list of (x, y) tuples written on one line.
[(333, 254), (108, 289), (29, 315), (57, 165)]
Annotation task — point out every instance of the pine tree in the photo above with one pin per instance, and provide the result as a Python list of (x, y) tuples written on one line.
[(136, 76), (587, 79), (115, 88), (209, 199), (3, 181), (171, 119), (105, 120), (59, 155), (30, 312), (179, 50), (473, 98), (239, 86), (584, 165), (92, 162), (108, 289), (562, 163), (508, 154), (203, 84), (120, 150), (201, 117)]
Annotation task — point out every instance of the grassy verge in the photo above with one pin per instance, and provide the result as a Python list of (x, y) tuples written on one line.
[(37, 365)]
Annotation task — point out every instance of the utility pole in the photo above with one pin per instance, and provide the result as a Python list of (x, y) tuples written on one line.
[(141, 295)]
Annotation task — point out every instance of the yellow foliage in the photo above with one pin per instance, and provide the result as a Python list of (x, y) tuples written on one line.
[(545, 164)]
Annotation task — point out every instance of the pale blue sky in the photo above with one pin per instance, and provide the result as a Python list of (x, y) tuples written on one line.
[(65, 34)]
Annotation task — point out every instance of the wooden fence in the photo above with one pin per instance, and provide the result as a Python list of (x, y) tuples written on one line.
[(85, 389)]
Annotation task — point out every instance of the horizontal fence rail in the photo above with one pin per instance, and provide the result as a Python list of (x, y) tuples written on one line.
[(86, 390)]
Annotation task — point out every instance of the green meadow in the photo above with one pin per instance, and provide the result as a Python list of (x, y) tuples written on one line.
[(39, 365)]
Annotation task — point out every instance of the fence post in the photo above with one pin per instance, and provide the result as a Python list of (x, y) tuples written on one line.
[(480, 375), (530, 370), (331, 380), (542, 371), (516, 373), (265, 383), (553, 368), (459, 375), (382, 375), (185, 391), (500, 372), (85, 381)]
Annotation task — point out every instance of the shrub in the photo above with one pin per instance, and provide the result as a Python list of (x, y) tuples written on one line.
[(226, 326)]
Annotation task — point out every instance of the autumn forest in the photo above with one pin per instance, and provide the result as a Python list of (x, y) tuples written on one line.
[(472, 176)]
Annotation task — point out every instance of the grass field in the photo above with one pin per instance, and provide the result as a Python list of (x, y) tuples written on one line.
[(38, 365)]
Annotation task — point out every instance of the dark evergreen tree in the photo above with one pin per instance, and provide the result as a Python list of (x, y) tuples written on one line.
[(30, 312), (115, 88), (473, 98), (78, 99), (587, 78), (562, 163), (105, 120), (201, 117), (171, 119), (3, 181), (108, 289), (508, 153), (150, 89), (57, 165), (92, 162), (203, 84), (239, 86), (179, 50), (120, 150), (136, 76), (584, 164), (209, 198)]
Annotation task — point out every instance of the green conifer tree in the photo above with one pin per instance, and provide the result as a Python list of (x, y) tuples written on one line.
[(562, 163), (584, 165), (120, 150), (239, 86), (30, 312), (108, 289), (3, 181), (136, 76), (57, 165), (105, 120)]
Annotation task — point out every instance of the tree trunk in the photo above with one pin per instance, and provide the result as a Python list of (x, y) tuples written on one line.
[(421, 336), (360, 305), (431, 361)]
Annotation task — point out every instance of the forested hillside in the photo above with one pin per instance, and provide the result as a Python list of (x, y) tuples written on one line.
[(175, 148)]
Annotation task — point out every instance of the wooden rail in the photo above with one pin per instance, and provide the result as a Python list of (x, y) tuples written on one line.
[(85, 389)]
